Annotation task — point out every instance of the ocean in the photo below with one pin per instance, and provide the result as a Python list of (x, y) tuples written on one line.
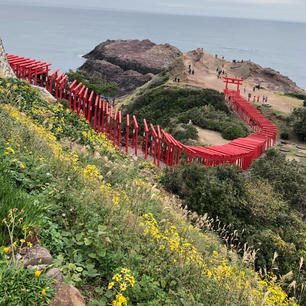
[(62, 35)]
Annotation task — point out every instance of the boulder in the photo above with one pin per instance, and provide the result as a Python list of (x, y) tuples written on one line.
[(37, 255), (67, 295), (129, 63), (56, 274), (5, 68)]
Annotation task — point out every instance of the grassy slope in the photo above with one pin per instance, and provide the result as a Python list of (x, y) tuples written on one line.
[(105, 213)]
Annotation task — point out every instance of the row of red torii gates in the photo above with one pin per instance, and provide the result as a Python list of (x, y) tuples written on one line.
[(154, 141)]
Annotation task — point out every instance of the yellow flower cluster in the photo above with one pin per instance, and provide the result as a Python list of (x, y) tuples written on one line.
[(91, 171), (120, 282), (170, 239), (229, 276), (116, 196)]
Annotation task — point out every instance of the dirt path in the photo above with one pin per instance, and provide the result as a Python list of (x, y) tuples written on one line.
[(205, 76), (210, 138)]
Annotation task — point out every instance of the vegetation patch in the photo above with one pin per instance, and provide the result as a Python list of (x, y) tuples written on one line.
[(169, 107), (112, 232)]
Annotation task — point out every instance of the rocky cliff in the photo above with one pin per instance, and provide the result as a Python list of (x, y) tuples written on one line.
[(129, 63), (5, 69), (249, 71)]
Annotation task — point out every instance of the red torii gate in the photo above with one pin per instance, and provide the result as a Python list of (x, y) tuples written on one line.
[(234, 81)]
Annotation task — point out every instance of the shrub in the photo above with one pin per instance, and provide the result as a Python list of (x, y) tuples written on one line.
[(232, 131), (284, 135), (298, 122)]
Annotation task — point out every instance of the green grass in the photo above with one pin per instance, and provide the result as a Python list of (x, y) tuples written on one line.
[(107, 213)]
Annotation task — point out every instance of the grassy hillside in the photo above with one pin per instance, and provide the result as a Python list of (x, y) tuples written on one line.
[(114, 234), (173, 107)]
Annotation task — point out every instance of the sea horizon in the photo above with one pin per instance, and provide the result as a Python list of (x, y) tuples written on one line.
[(265, 46)]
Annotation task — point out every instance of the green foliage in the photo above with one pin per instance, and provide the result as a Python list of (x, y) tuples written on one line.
[(232, 131), (295, 95), (159, 80), (266, 205), (284, 135), (11, 197), (169, 107), (114, 217), (19, 286), (288, 178), (93, 82), (298, 122)]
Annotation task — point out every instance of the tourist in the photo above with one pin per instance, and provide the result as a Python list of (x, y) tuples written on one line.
[(192, 72), (174, 79), (257, 99), (249, 96), (263, 99), (254, 99), (190, 122), (266, 99), (178, 80)]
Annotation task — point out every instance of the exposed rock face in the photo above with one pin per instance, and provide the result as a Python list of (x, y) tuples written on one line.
[(67, 295), (129, 63), (266, 77), (5, 68), (37, 255), (247, 70)]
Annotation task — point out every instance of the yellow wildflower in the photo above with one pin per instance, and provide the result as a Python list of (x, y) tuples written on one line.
[(110, 285), (37, 273), (43, 292), (123, 286), (5, 250)]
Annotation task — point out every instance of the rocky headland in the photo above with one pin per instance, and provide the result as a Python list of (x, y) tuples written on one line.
[(246, 70), (129, 63)]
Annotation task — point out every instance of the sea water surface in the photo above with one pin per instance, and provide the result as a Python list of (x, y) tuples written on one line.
[(62, 35)]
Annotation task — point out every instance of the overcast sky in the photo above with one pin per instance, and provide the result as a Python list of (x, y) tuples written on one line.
[(288, 10)]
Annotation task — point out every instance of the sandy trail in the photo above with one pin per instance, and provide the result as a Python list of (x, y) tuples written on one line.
[(205, 76), (210, 138)]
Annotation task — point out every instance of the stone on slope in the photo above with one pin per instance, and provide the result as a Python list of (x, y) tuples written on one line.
[(67, 295), (37, 255)]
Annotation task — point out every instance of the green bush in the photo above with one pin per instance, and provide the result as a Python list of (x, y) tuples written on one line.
[(284, 135), (232, 131), (169, 107), (266, 205), (298, 122)]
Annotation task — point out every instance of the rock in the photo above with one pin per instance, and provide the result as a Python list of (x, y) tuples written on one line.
[(249, 71), (285, 149), (301, 147), (56, 274), (5, 68), (67, 295), (129, 63), (38, 267), (300, 154), (37, 255), (44, 93)]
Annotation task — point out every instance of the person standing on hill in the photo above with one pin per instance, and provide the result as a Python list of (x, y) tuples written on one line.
[(257, 99), (249, 96)]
